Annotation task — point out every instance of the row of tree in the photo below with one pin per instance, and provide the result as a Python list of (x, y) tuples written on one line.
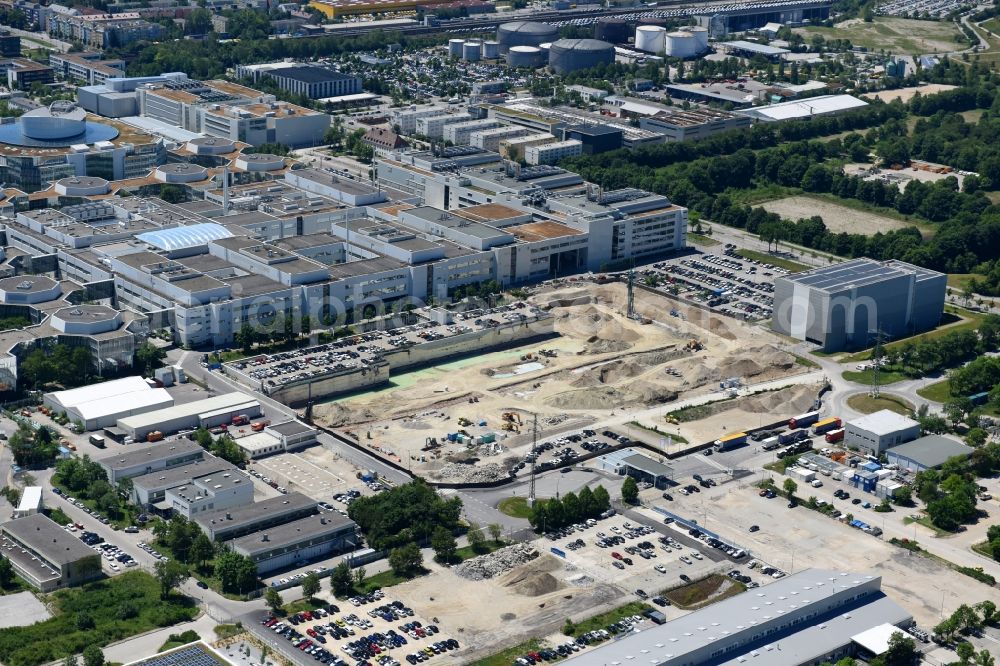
[(552, 514), (224, 446), (409, 513), (60, 364), (33, 447)]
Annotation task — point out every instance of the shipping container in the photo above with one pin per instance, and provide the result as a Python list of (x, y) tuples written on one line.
[(835, 436), (770, 443), (97, 440), (731, 441), (803, 420), (787, 437), (826, 425)]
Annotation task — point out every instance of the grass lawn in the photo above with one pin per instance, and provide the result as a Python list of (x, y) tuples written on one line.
[(866, 404), (299, 605), (983, 548), (703, 592), (805, 362), (954, 319), (959, 280), (659, 433), (604, 619), (926, 522), (895, 35), (103, 600), (700, 239), (385, 579), (865, 376), (507, 657), (516, 507), (783, 464), (938, 391), (229, 630), (790, 266)]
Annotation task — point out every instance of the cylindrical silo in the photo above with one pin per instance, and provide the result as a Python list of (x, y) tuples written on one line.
[(525, 56), (471, 51), (681, 45), (611, 29), (653, 20), (650, 38), (455, 47), (525, 33), (700, 37), (570, 55), (491, 50)]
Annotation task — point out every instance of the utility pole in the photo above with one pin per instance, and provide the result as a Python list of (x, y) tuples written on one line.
[(876, 364)]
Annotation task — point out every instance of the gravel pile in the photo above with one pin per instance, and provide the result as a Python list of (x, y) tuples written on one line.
[(472, 473), (497, 563)]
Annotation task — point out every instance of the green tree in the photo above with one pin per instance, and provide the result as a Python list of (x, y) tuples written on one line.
[(202, 550), (902, 651), (172, 193), (340, 579), (169, 574), (496, 532), (443, 543), (84, 621), (310, 585), (246, 337), (790, 487), (903, 496), (602, 498), (630, 490), (70, 661), (359, 577), (965, 652), (92, 656), (272, 599), (237, 573), (476, 538), (6, 573), (148, 357), (127, 610), (406, 560)]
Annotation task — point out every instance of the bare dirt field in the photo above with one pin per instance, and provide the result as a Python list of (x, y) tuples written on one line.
[(810, 539), (906, 94), (837, 218), (895, 35), (601, 363)]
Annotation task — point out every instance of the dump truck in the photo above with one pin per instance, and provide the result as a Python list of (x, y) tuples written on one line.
[(730, 441)]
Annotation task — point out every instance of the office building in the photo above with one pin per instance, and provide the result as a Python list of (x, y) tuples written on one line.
[(846, 305), (550, 153), (210, 492), (595, 139), (314, 82), (10, 44), (879, 431), (23, 73), (298, 542), (693, 124), (150, 490), (47, 556), (800, 620), (229, 524), (148, 458)]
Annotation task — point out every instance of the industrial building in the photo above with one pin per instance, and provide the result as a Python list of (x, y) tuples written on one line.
[(823, 105), (926, 452), (846, 305), (693, 124), (210, 492), (298, 542), (205, 413), (101, 405), (803, 619), (879, 431), (594, 139), (30, 502), (278, 438), (149, 458), (741, 18), (525, 33), (643, 468), (314, 82), (570, 55), (229, 524), (47, 556)]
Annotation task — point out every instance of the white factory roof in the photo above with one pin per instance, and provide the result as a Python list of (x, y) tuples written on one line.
[(883, 422), (116, 387), (215, 403), (31, 500), (805, 108), (356, 97), (160, 128), (177, 238), (876, 639), (123, 404)]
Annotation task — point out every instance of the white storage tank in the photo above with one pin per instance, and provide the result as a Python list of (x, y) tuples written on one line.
[(491, 50), (650, 38), (455, 47), (471, 51), (681, 45), (700, 37), (530, 57)]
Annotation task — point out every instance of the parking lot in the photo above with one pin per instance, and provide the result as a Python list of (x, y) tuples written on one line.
[(269, 371), (373, 628), (721, 280)]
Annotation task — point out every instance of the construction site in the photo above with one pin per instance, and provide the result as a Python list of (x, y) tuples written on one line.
[(472, 420)]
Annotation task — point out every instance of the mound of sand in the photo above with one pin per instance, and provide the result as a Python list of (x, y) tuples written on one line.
[(336, 414), (606, 347), (610, 397), (532, 583), (609, 373)]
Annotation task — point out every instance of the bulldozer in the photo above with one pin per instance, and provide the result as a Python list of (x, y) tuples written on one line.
[(694, 345), (462, 421)]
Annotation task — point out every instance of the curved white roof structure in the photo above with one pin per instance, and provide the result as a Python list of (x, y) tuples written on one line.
[(179, 238)]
